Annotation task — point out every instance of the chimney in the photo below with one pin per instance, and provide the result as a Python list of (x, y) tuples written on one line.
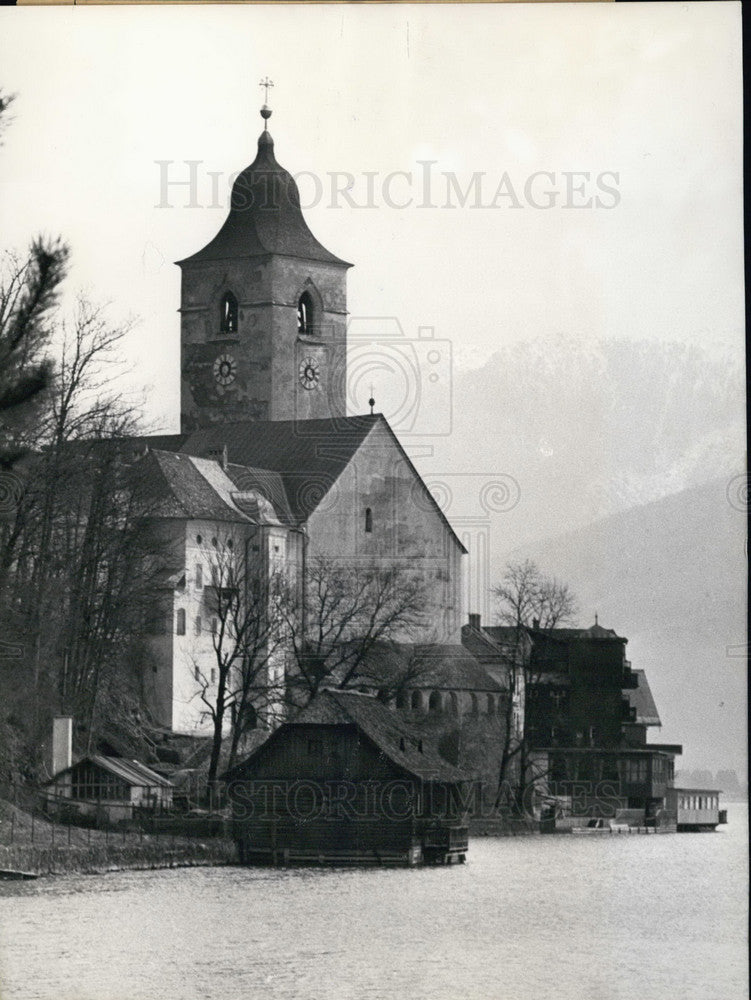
[(62, 743), (474, 621), (219, 455)]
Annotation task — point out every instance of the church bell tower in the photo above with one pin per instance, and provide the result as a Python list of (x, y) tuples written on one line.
[(263, 309)]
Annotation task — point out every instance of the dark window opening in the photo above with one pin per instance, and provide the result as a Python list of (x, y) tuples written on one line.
[(228, 313), (368, 519), (305, 315), (180, 629)]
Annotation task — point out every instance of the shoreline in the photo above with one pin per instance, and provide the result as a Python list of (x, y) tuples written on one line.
[(37, 862)]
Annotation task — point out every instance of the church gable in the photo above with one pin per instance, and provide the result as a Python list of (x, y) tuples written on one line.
[(379, 512), (378, 504)]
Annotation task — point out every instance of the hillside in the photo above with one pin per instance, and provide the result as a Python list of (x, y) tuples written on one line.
[(670, 575)]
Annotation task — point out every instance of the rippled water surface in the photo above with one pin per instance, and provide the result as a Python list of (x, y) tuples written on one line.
[(607, 918)]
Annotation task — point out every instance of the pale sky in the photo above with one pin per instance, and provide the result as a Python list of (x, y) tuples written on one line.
[(634, 110), (651, 93)]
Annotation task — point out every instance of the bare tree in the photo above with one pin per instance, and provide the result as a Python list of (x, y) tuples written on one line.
[(243, 676), (338, 615), (527, 600), (69, 552)]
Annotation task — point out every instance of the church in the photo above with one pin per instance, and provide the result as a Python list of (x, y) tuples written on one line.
[(268, 463)]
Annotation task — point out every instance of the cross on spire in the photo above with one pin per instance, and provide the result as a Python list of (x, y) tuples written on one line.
[(266, 83), (266, 110)]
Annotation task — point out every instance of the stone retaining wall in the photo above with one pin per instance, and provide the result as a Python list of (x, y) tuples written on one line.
[(108, 857)]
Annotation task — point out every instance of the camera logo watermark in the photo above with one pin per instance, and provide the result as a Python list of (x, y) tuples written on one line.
[(409, 377), (11, 491)]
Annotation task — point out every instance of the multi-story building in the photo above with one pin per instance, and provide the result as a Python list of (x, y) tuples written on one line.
[(587, 713)]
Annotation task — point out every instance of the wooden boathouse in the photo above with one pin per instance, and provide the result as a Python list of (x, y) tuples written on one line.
[(347, 782)]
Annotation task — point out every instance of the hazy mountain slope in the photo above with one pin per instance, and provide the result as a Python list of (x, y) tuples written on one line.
[(587, 429), (670, 575)]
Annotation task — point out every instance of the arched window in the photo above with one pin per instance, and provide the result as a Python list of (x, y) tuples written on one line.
[(368, 519), (402, 700), (416, 701), (434, 702), (491, 705), (475, 708), (453, 703), (180, 622), (305, 315), (228, 313)]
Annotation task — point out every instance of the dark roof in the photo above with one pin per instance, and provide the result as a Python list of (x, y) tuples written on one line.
[(305, 457), (641, 699), (593, 632), (265, 216), (507, 633), (308, 455), (452, 666), (187, 492), (402, 745), (385, 728), (130, 771), (433, 665), (248, 480), (489, 646)]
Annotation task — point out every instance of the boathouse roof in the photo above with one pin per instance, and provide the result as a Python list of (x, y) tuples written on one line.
[(407, 749)]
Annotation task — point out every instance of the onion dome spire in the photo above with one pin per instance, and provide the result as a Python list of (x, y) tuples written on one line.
[(265, 214)]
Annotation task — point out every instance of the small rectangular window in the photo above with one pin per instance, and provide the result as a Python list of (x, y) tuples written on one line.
[(199, 576), (180, 624), (198, 625), (213, 675)]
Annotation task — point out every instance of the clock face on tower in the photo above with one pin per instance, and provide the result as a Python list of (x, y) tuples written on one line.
[(225, 369), (309, 373)]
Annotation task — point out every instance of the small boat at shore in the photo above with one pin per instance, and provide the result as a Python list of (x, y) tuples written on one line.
[(598, 826)]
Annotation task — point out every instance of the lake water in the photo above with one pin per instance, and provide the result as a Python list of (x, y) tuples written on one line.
[(606, 918)]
